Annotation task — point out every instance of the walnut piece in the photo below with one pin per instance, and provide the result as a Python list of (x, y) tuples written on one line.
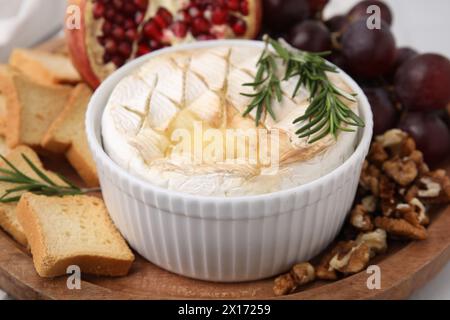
[(417, 157), (401, 228), (420, 211), (391, 138), (284, 284), (301, 274), (432, 189), (387, 196), (369, 178), (375, 240), (377, 154), (402, 171), (408, 213), (369, 203), (350, 258), (360, 218), (407, 147), (323, 270)]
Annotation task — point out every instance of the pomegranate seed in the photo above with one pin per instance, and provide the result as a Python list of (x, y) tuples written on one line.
[(165, 15), (219, 15), (179, 29), (107, 28), (244, 8), (233, 5), (99, 10), (163, 18), (240, 27), (194, 12), (232, 20), (119, 19), (124, 49), (131, 34), (118, 61), (155, 45), (110, 14), (200, 25), (186, 17), (139, 17), (160, 22), (129, 8), (151, 30), (143, 49), (118, 33), (110, 46), (129, 24), (118, 4), (141, 4)]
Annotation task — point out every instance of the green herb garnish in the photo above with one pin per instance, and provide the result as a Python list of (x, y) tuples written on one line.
[(326, 113), (25, 183)]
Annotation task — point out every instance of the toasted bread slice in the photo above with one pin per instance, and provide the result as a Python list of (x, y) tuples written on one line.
[(3, 146), (8, 217), (43, 67), (67, 135), (31, 107), (73, 230), (3, 114)]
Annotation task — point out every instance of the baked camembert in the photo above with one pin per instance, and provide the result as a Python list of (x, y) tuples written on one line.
[(178, 123)]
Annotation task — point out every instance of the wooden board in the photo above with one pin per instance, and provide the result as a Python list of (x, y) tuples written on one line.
[(404, 268)]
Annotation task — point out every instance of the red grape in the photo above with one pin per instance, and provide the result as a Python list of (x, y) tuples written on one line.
[(337, 23), (401, 56), (423, 82), (359, 11), (369, 52), (310, 35), (431, 134), (385, 115), (316, 6), (280, 15), (337, 58)]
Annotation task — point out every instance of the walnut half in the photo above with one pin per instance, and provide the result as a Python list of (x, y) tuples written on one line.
[(401, 228), (301, 274)]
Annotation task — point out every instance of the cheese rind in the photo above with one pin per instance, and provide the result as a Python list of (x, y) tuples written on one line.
[(195, 103)]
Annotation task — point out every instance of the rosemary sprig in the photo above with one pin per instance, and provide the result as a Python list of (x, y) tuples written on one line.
[(266, 85), (326, 114), (25, 183)]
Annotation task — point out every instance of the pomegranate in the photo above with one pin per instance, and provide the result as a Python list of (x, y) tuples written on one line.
[(113, 32)]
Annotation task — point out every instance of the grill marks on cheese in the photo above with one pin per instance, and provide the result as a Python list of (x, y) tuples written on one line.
[(173, 91)]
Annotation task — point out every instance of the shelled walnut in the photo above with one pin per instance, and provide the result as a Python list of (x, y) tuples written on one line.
[(300, 274), (396, 190)]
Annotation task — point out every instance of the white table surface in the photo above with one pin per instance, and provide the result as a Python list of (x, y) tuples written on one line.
[(423, 25)]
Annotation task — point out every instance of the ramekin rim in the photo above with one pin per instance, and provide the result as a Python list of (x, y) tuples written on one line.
[(97, 148)]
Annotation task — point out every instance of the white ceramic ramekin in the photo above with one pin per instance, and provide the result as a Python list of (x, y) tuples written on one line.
[(225, 239)]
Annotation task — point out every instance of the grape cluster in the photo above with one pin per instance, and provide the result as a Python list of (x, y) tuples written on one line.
[(405, 89)]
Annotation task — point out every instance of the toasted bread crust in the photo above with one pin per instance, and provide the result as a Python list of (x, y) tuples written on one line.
[(31, 63), (51, 264), (9, 223), (67, 135), (12, 126), (84, 165), (31, 107)]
